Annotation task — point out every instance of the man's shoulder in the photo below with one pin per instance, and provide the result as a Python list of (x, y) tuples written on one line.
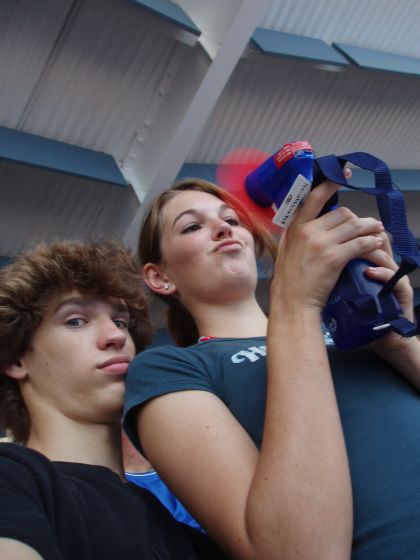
[(22, 455), (21, 462), (21, 466)]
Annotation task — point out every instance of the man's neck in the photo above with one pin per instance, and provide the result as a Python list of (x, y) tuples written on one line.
[(93, 444)]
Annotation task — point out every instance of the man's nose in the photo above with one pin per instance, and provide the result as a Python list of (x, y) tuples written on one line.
[(111, 335)]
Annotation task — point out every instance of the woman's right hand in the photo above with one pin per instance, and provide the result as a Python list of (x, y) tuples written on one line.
[(314, 250)]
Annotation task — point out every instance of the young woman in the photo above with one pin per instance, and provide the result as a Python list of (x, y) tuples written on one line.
[(243, 423)]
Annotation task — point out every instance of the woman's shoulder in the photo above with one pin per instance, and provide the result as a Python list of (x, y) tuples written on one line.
[(163, 352)]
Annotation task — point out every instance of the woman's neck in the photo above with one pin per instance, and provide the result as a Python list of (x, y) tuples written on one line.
[(243, 319)]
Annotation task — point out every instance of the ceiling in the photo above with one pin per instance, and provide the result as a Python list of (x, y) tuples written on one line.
[(118, 77)]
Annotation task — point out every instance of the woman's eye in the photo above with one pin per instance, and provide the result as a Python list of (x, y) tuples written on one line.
[(121, 323), (75, 322), (190, 228), (232, 221)]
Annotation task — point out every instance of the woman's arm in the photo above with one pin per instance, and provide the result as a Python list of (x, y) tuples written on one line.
[(293, 499)]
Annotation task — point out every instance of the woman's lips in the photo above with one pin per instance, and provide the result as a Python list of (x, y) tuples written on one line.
[(227, 245)]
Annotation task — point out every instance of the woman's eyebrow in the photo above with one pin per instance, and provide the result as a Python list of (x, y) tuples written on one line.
[(224, 207), (189, 211), (197, 213)]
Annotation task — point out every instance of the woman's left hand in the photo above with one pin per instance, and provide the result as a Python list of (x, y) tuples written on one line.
[(402, 352), (384, 269)]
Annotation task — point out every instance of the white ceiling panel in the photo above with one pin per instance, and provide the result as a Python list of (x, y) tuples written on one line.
[(384, 25), (37, 205), (92, 86), (28, 32), (270, 101), (102, 74)]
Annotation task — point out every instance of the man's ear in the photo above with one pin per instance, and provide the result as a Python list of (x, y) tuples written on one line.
[(17, 370), (157, 280)]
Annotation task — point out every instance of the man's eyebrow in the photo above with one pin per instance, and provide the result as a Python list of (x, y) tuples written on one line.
[(195, 212), (117, 306)]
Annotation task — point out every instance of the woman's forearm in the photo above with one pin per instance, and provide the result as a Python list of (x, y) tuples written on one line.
[(303, 471)]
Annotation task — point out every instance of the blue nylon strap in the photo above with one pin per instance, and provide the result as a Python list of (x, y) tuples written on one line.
[(404, 327), (391, 205)]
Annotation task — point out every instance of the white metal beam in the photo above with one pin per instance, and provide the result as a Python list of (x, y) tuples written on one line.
[(154, 161)]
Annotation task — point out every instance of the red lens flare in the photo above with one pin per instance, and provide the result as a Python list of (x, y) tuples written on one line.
[(231, 174)]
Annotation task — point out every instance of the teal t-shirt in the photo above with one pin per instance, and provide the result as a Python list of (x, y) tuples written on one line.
[(380, 413)]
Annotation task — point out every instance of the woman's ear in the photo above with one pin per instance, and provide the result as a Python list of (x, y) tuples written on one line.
[(157, 280), (16, 371)]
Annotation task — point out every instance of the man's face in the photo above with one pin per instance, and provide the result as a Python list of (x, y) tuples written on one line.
[(78, 359)]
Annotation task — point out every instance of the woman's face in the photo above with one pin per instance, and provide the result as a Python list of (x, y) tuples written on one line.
[(206, 253)]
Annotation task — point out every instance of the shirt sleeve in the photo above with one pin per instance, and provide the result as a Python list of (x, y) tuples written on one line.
[(159, 371), (24, 492)]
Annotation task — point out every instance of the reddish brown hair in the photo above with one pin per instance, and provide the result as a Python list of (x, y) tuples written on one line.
[(180, 322)]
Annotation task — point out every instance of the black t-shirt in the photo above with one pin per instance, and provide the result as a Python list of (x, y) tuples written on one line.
[(83, 512)]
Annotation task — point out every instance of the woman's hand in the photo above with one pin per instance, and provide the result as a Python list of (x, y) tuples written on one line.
[(385, 269), (402, 352), (314, 250)]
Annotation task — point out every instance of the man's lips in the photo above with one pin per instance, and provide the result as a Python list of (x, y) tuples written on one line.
[(118, 365)]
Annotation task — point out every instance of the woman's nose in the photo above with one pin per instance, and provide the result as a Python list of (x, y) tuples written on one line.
[(221, 229)]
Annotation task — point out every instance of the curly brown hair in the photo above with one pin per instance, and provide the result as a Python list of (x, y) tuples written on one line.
[(181, 324), (29, 288)]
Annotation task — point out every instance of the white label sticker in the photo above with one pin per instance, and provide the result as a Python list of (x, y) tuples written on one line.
[(290, 204)]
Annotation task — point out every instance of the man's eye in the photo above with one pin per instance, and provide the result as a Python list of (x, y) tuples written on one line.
[(121, 323), (75, 322), (191, 228)]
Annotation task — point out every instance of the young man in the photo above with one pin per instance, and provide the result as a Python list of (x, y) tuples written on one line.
[(72, 317)]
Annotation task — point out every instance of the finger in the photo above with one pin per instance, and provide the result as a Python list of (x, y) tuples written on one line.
[(315, 202), (356, 227), (359, 246), (383, 274), (381, 258), (403, 290), (380, 273), (332, 219), (349, 221), (387, 244)]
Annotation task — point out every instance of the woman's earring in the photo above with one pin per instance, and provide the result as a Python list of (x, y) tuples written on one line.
[(166, 286)]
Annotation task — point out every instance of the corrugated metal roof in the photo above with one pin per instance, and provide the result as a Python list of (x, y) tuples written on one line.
[(88, 80), (376, 24), (90, 73), (271, 101), (37, 205)]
